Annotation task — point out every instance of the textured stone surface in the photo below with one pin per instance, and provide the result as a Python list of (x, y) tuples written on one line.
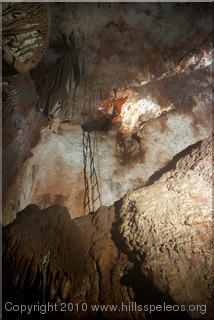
[(88, 273), (41, 258), (25, 31), (127, 43), (121, 46), (21, 126), (95, 48), (123, 161), (170, 223), (152, 246)]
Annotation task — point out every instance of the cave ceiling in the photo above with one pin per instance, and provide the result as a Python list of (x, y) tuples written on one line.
[(96, 48)]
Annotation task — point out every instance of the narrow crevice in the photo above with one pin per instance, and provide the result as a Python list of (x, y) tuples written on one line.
[(172, 164)]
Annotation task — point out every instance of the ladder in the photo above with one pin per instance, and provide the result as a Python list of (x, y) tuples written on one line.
[(92, 192)]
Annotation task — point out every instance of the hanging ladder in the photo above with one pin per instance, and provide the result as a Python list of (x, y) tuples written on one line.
[(92, 192)]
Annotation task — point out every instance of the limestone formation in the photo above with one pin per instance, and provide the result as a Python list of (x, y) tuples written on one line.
[(25, 38), (169, 224), (25, 31), (107, 122), (167, 109), (151, 247)]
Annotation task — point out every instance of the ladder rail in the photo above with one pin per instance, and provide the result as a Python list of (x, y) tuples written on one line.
[(92, 192)]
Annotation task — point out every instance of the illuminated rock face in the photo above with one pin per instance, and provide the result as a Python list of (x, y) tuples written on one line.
[(152, 247), (151, 134), (157, 55), (161, 220), (123, 162)]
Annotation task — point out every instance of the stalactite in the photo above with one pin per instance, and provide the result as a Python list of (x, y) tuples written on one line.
[(25, 31), (23, 94), (95, 90), (41, 268), (62, 86)]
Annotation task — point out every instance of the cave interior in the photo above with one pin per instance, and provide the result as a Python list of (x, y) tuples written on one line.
[(107, 160)]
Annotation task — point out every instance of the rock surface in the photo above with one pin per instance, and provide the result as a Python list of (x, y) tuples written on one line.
[(128, 43), (123, 160), (144, 51), (170, 223), (25, 31), (152, 246)]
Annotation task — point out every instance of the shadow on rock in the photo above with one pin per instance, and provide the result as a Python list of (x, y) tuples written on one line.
[(147, 294)]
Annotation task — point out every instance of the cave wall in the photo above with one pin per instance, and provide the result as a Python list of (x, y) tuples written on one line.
[(163, 219), (152, 246), (144, 51), (124, 160), (150, 241)]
